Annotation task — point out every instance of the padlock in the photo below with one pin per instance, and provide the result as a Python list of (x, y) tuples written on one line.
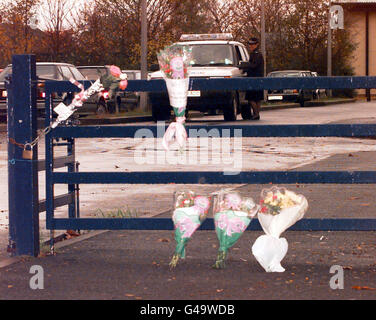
[(27, 153)]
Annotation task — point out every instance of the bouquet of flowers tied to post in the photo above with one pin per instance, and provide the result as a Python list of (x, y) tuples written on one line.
[(232, 215), (112, 81), (190, 210), (174, 61), (280, 209)]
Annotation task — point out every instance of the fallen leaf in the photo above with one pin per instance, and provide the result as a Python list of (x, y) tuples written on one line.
[(365, 204), (163, 240), (362, 288), (354, 198), (10, 286), (219, 290), (72, 233), (347, 267), (129, 295)]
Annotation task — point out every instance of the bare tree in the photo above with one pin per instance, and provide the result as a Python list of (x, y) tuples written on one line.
[(55, 17)]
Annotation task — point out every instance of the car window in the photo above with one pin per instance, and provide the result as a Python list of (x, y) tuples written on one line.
[(238, 54), (93, 73), (284, 74), (211, 55), (67, 74), (90, 74), (130, 75), (243, 53), (76, 74), (48, 72)]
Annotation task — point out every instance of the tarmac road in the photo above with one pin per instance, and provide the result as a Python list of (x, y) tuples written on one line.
[(133, 265)]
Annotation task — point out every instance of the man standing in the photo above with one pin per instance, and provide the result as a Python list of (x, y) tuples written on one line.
[(254, 68)]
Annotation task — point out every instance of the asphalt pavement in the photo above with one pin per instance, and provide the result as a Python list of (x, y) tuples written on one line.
[(134, 265)]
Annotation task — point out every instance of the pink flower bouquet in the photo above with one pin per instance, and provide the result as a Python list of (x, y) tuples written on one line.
[(190, 211), (232, 216), (174, 61)]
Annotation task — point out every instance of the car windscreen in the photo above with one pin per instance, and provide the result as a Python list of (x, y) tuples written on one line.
[(5, 73), (93, 73), (211, 55)]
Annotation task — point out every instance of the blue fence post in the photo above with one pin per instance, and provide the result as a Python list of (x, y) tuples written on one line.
[(23, 173)]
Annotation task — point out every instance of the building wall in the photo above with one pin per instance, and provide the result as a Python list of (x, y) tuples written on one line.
[(355, 21), (372, 43)]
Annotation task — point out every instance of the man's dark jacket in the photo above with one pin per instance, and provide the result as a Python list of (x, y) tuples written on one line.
[(254, 68)]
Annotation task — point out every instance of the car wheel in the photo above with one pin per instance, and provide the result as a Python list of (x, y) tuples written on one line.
[(231, 110), (101, 108), (245, 111), (160, 112)]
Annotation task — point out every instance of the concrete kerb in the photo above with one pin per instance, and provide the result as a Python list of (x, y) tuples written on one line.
[(313, 103)]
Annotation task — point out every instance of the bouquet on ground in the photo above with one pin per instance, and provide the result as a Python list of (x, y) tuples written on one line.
[(280, 209), (174, 61), (190, 210), (232, 216)]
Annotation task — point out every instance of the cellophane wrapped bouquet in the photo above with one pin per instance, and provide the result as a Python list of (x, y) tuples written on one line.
[(280, 209), (190, 210), (232, 215), (114, 80), (174, 61)]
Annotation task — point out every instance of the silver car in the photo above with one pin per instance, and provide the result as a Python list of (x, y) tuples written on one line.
[(45, 71)]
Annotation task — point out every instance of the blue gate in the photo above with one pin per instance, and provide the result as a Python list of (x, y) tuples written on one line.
[(24, 217)]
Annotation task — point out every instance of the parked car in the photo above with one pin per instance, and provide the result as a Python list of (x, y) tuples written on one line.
[(124, 100), (318, 93), (45, 71), (213, 56), (293, 95)]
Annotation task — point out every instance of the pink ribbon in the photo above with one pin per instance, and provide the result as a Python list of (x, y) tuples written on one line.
[(175, 130)]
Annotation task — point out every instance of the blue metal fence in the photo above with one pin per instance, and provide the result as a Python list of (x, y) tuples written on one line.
[(74, 178)]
